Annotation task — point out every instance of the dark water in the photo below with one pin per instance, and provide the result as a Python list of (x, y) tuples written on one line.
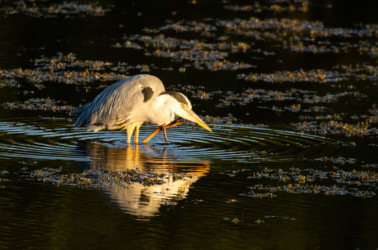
[(289, 89)]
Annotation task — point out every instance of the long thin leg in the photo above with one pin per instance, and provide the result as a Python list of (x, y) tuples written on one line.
[(174, 123), (165, 134), (151, 135), (136, 135)]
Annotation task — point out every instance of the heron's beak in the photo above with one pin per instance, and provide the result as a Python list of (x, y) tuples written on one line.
[(188, 114)]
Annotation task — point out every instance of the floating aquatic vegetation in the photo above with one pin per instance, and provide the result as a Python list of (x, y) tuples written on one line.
[(162, 42), (278, 217), (235, 220), (55, 70), (104, 179), (44, 104), (302, 178), (68, 9), (338, 160), (209, 55), (300, 47), (301, 36), (28, 162), (191, 55), (363, 47), (4, 172), (258, 195), (370, 165), (222, 65), (201, 95), (12, 83), (292, 34), (315, 76), (226, 120), (303, 96), (286, 26), (242, 8), (62, 61), (320, 117), (189, 26), (67, 77), (308, 189), (197, 200), (276, 6), (337, 128), (128, 44)]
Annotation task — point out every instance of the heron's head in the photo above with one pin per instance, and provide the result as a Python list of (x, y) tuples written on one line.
[(180, 105)]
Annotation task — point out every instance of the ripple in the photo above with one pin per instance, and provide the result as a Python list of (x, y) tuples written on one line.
[(236, 143)]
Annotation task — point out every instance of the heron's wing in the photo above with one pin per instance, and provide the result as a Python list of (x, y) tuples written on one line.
[(80, 110), (112, 106), (81, 120)]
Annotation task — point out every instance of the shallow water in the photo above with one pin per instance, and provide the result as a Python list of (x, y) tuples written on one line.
[(289, 90)]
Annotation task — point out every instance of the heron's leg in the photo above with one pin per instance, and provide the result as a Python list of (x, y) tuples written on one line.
[(165, 134), (130, 130), (136, 135), (174, 123), (151, 135)]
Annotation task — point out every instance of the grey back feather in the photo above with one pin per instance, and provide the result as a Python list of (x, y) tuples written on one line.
[(112, 106)]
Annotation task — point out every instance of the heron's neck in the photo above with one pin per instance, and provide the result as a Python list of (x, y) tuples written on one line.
[(162, 113)]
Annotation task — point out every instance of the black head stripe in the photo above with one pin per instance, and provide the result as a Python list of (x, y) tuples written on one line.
[(178, 96), (147, 92)]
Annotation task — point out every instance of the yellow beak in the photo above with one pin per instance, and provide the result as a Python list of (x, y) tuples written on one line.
[(191, 116)]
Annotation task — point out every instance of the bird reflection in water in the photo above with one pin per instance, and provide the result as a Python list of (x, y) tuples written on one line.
[(139, 199)]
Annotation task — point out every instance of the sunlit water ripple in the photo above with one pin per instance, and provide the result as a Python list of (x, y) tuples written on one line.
[(236, 143)]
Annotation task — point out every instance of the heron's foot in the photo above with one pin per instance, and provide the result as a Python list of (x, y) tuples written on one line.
[(172, 124)]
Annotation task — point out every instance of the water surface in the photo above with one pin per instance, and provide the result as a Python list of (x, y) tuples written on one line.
[(288, 88)]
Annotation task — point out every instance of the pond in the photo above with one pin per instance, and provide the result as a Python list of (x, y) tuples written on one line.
[(289, 89)]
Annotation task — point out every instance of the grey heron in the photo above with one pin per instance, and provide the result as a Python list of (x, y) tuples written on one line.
[(129, 103)]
